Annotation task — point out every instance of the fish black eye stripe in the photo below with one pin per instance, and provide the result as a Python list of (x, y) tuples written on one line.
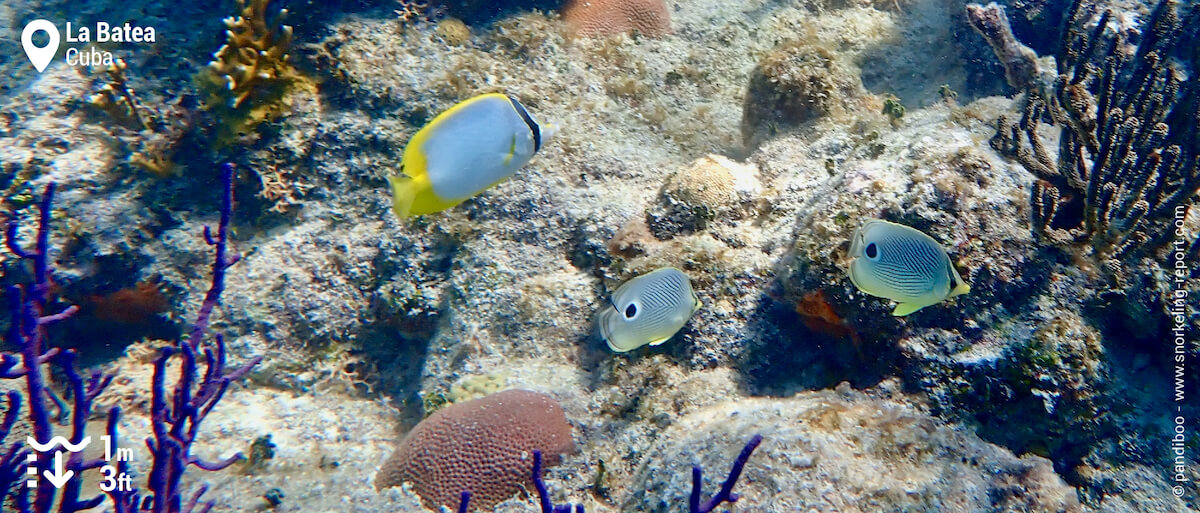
[(533, 126)]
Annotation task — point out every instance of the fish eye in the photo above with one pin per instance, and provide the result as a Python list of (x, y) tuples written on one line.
[(631, 311), (871, 251)]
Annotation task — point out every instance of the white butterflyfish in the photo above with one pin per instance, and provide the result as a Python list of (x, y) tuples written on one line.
[(465, 150), (648, 309), (901, 263)]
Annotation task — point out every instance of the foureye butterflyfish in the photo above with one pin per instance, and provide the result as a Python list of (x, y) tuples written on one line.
[(903, 264), (465, 150), (648, 309)]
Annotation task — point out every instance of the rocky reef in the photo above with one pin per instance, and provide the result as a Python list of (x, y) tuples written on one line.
[(744, 146)]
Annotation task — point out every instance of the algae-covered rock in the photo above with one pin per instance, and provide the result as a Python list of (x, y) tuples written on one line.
[(842, 450), (1054, 399), (938, 181), (797, 83)]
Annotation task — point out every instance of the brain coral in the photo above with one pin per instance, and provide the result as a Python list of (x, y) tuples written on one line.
[(599, 18), (713, 181), (483, 446), (707, 190)]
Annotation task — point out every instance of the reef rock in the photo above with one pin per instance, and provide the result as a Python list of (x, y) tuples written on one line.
[(844, 451), (796, 83)]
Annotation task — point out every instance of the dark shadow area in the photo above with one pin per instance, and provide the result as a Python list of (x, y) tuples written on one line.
[(107, 323), (812, 355), (393, 367)]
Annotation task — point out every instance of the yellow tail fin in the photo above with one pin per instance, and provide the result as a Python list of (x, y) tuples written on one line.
[(404, 193)]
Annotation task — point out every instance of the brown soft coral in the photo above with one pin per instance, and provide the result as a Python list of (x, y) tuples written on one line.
[(599, 18), (481, 446)]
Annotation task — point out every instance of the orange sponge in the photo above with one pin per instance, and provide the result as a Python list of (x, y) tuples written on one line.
[(482, 446), (599, 18)]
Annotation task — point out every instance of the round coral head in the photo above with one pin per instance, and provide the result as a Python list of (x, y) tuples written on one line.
[(484, 446), (600, 18)]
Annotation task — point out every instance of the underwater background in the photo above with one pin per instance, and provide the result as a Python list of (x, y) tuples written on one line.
[(238, 166)]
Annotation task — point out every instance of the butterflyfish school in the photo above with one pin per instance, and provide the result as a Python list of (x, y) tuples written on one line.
[(903, 264), (648, 309), (472, 146)]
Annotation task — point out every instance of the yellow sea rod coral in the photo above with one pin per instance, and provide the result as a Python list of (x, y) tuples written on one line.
[(255, 53), (251, 74), (118, 100)]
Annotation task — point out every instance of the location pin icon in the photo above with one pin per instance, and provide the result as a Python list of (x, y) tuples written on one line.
[(40, 57)]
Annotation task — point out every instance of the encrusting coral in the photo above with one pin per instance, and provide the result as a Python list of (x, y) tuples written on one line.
[(600, 18), (480, 446)]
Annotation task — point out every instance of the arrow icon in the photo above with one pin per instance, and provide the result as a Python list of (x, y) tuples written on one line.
[(58, 478)]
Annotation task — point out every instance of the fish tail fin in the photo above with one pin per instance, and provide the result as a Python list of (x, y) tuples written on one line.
[(404, 194), (549, 130), (903, 309), (961, 289)]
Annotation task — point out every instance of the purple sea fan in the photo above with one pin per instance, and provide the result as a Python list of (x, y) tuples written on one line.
[(201, 382)]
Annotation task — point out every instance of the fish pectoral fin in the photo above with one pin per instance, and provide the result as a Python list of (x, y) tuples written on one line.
[(512, 151), (404, 193), (661, 340), (903, 309)]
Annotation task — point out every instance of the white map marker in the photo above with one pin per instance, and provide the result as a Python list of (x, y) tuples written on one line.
[(40, 57)]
